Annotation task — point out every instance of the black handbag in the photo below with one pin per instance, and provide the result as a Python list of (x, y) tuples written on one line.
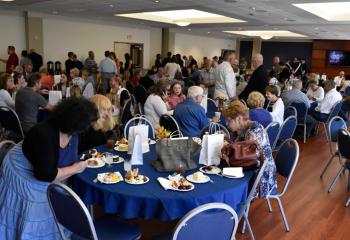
[(175, 153)]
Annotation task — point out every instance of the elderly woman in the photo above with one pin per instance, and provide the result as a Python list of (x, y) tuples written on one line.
[(76, 79), (101, 130), (236, 115), (155, 105), (257, 112), (48, 153), (276, 107), (6, 86)]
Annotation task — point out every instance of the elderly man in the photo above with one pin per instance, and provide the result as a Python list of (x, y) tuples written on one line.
[(206, 78), (295, 95), (339, 79), (259, 79), (190, 115), (276, 65), (225, 78)]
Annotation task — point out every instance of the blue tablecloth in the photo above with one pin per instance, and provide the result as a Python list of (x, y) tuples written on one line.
[(150, 200)]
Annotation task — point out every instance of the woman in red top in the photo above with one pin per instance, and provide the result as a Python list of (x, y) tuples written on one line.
[(46, 80), (176, 96)]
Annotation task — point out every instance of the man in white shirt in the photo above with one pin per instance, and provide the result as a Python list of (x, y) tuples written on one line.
[(338, 79), (225, 80), (108, 69), (322, 111), (172, 67)]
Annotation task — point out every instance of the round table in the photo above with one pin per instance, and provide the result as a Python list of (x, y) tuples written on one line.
[(150, 200)]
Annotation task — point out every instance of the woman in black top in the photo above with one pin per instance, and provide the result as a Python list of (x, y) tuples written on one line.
[(48, 153)]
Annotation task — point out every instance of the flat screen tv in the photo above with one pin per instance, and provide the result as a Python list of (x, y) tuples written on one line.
[(338, 58)]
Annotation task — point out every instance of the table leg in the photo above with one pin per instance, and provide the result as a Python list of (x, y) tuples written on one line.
[(91, 210)]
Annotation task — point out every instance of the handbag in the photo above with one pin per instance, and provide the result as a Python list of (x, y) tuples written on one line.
[(243, 154), (175, 153)]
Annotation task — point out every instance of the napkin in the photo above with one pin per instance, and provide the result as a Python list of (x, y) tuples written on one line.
[(165, 183), (233, 171)]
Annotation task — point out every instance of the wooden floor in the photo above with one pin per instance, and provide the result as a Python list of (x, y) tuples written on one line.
[(312, 212)]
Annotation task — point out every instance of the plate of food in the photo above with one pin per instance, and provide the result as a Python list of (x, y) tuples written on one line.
[(96, 154), (117, 159), (109, 177), (198, 177), (210, 170), (197, 140), (182, 185), (151, 141), (121, 148), (121, 141), (95, 163), (134, 177)]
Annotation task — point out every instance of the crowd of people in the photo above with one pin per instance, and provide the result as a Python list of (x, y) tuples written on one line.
[(93, 111)]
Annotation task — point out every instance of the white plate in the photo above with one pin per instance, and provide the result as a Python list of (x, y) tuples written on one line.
[(228, 176), (137, 182), (100, 177), (117, 143), (151, 141), (120, 160), (184, 190), (100, 162), (214, 171), (123, 150), (205, 179)]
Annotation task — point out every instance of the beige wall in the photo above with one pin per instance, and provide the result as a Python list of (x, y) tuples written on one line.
[(34, 34)]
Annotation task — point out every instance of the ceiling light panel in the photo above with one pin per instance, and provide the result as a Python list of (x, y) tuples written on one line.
[(331, 11), (192, 16), (267, 34)]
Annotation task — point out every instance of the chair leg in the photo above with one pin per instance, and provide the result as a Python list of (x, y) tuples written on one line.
[(325, 130), (304, 133), (246, 212), (317, 126), (269, 204), (327, 166), (283, 214), (347, 202), (249, 227), (335, 179)]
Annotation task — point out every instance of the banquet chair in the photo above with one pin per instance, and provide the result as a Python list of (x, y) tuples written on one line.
[(243, 101), (334, 112), (213, 127), (344, 152), (272, 131), (286, 131), (204, 221), (290, 111), (302, 110), (346, 92), (286, 161), (169, 123), (267, 104), (243, 213), (70, 212), (334, 126), (9, 120), (211, 108), (136, 121)]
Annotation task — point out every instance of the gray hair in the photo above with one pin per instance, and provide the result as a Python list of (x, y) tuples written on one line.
[(297, 84), (330, 83), (194, 92)]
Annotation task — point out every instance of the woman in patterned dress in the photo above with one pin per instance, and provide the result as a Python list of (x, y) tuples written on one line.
[(237, 119)]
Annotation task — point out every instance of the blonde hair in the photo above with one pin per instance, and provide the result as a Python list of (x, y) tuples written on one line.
[(75, 91), (235, 109), (103, 103), (256, 100)]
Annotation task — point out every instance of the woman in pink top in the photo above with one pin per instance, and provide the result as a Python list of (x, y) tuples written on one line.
[(176, 96)]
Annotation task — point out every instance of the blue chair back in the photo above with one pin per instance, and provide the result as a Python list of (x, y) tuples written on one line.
[(335, 110), (287, 159), (267, 104), (136, 121), (212, 128), (334, 126), (272, 131), (343, 143), (287, 129), (10, 121), (69, 211), (290, 111), (347, 91), (301, 109), (211, 108), (169, 123), (208, 222)]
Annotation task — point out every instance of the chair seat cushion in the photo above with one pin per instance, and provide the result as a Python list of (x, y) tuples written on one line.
[(113, 228)]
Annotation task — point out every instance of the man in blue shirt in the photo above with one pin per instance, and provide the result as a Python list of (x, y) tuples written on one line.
[(190, 115)]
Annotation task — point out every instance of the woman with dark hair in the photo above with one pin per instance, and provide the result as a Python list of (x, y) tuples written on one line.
[(6, 86), (176, 95), (172, 67), (276, 107), (48, 153), (155, 105)]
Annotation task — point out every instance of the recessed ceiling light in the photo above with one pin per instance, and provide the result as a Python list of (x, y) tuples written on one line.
[(208, 32), (331, 11), (183, 17), (7, 0), (267, 34), (111, 5), (189, 29), (156, 1)]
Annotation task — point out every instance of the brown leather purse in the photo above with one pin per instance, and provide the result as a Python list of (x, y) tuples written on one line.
[(243, 154)]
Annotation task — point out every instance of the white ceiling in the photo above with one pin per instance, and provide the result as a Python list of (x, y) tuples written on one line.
[(259, 14)]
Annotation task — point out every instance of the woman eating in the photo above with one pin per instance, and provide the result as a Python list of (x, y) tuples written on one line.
[(176, 96), (237, 118), (6, 86), (48, 153), (276, 107)]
